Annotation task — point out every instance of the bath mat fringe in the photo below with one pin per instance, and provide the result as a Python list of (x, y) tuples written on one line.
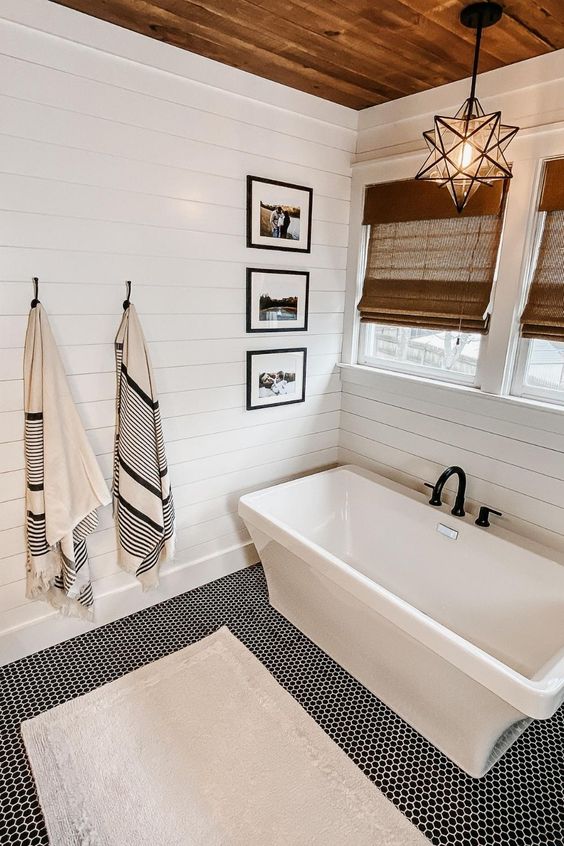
[(64, 485), (142, 496)]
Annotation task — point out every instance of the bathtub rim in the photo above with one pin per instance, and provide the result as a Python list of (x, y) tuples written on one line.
[(538, 698)]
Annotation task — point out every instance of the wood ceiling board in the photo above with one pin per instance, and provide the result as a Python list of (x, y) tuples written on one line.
[(357, 53)]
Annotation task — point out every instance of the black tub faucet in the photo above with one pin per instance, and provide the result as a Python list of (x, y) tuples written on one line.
[(458, 509)]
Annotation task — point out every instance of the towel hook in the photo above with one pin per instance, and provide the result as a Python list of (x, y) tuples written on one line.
[(126, 301), (35, 299)]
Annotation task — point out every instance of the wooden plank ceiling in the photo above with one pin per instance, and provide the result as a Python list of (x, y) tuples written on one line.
[(355, 52)]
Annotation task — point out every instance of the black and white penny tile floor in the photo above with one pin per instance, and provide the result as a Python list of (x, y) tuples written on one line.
[(519, 803)]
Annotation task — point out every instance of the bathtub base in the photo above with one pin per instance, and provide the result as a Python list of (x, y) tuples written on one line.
[(467, 722)]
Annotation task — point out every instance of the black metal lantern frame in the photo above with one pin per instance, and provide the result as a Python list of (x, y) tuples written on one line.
[(468, 150)]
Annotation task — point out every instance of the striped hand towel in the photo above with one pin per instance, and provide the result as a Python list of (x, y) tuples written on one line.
[(143, 504), (64, 485)]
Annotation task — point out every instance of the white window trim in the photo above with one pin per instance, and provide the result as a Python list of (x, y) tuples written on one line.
[(499, 359), (519, 387), (435, 373)]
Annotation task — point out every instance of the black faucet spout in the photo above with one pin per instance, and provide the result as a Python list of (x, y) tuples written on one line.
[(458, 509)]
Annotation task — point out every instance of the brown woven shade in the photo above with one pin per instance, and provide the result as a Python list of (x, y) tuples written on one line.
[(435, 274), (543, 316), (552, 194), (410, 199)]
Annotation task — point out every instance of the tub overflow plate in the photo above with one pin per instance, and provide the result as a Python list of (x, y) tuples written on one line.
[(452, 534)]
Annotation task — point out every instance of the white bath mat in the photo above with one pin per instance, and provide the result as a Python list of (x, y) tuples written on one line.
[(201, 748)]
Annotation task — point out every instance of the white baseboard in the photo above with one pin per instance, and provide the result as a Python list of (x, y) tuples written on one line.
[(53, 628)]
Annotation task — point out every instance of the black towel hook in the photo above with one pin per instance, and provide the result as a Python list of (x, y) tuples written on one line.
[(126, 301), (35, 299)]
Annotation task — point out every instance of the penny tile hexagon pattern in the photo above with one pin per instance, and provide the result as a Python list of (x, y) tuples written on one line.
[(520, 802)]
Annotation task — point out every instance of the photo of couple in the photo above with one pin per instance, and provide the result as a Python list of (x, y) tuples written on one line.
[(278, 215), (279, 221)]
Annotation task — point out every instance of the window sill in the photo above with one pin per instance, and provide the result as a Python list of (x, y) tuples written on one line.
[(525, 411), (419, 373)]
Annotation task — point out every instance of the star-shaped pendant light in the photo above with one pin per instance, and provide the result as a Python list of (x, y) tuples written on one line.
[(468, 150)]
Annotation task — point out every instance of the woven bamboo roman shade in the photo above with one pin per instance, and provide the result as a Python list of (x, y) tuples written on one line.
[(428, 266), (543, 316)]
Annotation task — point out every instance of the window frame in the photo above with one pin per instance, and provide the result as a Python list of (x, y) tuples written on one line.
[(519, 386), (519, 376), (498, 359), (435, 373), (422, 370)]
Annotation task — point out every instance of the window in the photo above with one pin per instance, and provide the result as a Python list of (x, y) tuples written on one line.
[(428, 280), (425, 352), (539, 371)]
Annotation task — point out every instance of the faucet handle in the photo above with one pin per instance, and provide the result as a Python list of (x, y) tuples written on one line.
[(483, 516), (435, 500)]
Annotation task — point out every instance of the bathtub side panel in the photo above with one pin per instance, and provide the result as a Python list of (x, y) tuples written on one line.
[(469, 723)]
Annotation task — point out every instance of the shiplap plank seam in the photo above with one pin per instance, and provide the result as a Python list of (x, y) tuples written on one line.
[(515, 503), (535, 486), (531, 456), (101, 182), (539, 533), (520, 432)]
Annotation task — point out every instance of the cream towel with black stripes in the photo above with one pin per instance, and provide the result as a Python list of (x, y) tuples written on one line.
[(143, 505), (64, 485)]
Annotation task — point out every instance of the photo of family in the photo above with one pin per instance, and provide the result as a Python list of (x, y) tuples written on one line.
[(278, 215), (280, 221), (275, 377), (276, 384), (277, 300)]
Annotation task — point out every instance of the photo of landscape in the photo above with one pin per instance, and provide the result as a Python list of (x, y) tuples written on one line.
[(284, 308), (277, 300)]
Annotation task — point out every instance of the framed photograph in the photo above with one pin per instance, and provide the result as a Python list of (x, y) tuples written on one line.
[(277, 300), (275, 377), (278, 215)]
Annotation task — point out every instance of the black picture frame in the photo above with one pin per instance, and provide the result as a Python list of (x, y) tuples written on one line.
[(285, 245), (283, 351), (283, 325)]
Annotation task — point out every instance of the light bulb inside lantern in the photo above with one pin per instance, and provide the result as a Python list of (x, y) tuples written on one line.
[(467, 155)]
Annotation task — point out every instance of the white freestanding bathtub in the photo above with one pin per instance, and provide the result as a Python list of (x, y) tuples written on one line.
[(458, 630)]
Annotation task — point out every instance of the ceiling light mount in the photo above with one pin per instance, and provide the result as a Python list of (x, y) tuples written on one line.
[(467, 150), (481, 15)]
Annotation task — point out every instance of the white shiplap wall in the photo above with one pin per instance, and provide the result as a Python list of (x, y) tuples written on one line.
[(409, 429), (119, 161), (514, 458)]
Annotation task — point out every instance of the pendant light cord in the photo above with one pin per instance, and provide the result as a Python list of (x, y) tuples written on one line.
[(476, 58)]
